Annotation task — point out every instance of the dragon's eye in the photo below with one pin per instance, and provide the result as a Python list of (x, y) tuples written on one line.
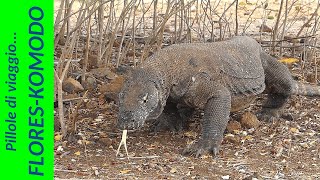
[(145, 98)]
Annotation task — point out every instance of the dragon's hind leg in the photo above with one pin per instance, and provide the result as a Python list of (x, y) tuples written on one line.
[(279, 85)]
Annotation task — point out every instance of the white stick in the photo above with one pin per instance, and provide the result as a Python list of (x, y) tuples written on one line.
[(123, 142)]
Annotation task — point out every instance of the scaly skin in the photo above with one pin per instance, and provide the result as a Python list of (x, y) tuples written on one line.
[(217, 77)]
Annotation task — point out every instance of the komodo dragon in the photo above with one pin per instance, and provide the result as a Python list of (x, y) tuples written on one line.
[(218, 77)]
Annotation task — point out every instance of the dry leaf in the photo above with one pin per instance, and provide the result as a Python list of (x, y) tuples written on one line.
[(304, 145), (86, 142), (278, 150), (189, 142), (96, 172), (225, 177), (77, 153), (248, 137), (79, 141), (190, 134), (232, 138), (98, 120), (60, 149), (125, 171), (270, 17), (173, 170), (57, 137), (294, 130), (242, 3), (206, 156), (233, 126), (289, 60)]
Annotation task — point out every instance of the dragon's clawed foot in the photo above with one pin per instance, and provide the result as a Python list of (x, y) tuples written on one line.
[(272, 115), (202, 147), (269, 114), (266, 117)]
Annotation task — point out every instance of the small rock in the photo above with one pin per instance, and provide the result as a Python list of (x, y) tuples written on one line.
[(251, 130), (254, 176), (114, 86), (173, 170), (96, 172), (90, 83), (265, 28), (92, 61), (62, 41), (277, 150), (311, 78), (70, 166), (112, 89), (109, 97), (234, 139), (295, 104), (167, 29), (291, 39), (249, 120), (294, 130), (92, 104), (71, 85), (193, 8), (70, 96), (103, 72), (116, 43), (233, 126), (105, 141), (60, 149), (130, 53)]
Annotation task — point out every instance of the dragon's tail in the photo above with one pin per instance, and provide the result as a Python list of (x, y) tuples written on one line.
[(306, 89)]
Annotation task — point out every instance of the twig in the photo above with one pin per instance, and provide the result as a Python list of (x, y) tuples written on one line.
[(309, 20), (86, 52), (143, 157), (297, 46), (301, 37), (237, 23), (223, 14), (284, 26), (275, 30), (65, 170), (74, 117), (73, 99)]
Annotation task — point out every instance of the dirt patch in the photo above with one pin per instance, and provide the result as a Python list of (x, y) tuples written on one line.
[(281, 149)]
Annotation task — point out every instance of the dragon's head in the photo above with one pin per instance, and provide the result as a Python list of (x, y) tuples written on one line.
[(140, 99)]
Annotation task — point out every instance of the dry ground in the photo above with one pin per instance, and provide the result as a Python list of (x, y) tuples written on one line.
[(282, 149)]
